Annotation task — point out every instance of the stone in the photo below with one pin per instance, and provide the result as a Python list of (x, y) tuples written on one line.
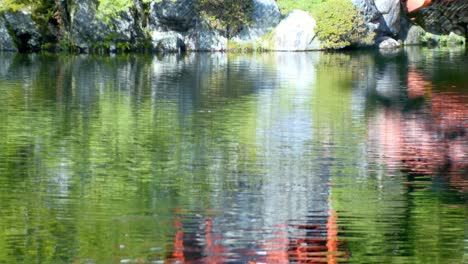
[(177, 15), (414, 35), (87, 30), (265, 17), (391, 12), (170, 41), (294, 33), (203, 38), (388, 43), (25, 30), (372, 16), (6, 41)]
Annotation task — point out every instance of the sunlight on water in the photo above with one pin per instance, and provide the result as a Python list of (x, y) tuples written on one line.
[(215, 158)]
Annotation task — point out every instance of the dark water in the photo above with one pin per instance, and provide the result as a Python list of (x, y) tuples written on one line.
[(214, 158)]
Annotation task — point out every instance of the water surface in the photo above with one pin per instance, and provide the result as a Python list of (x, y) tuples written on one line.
[(221, 158)]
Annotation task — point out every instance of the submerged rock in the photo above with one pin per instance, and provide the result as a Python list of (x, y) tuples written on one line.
[(265, 17), (6, 41), (24, 29), (294, 33)]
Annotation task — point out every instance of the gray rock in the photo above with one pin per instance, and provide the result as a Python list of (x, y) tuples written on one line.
[(25, 30), (414, 35), (265, 17), (388, 43), (6, 42), (372, 16), (167, 41), (203, 38), (391, 12), (123, 27), (178, 15), (294, 33), (87, 30)]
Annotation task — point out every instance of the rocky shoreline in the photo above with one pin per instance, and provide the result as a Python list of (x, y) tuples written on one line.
[(173, 26)]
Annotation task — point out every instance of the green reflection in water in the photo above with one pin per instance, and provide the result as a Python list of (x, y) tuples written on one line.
[(99, 156)]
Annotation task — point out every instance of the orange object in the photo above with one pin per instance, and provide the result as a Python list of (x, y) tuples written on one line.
[(415, 5)]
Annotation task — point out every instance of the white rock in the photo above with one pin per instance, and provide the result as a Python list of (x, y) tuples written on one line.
[(295, 33)]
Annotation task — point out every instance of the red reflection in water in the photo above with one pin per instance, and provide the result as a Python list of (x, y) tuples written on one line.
[(178, 254), (212, 253), (315, 248), (431, 138), (215, 252), (319, 245)]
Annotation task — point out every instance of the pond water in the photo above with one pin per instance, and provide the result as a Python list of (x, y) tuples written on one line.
[(354, 157)]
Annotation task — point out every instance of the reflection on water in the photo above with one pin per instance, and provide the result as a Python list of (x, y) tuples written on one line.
[(216, 158)]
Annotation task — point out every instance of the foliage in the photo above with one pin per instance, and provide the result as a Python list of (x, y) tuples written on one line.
[(108, 9), (286, 6), (14, 5), (228, 16), (430, 39), (340, 24), (41, 10)]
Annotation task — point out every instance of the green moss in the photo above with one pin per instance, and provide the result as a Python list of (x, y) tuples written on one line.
[(234, 46), (14, 5), (49, 46), (64, 44), (109, 9), (430, 39), (123, 47), (267, 42), (100, 48)]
